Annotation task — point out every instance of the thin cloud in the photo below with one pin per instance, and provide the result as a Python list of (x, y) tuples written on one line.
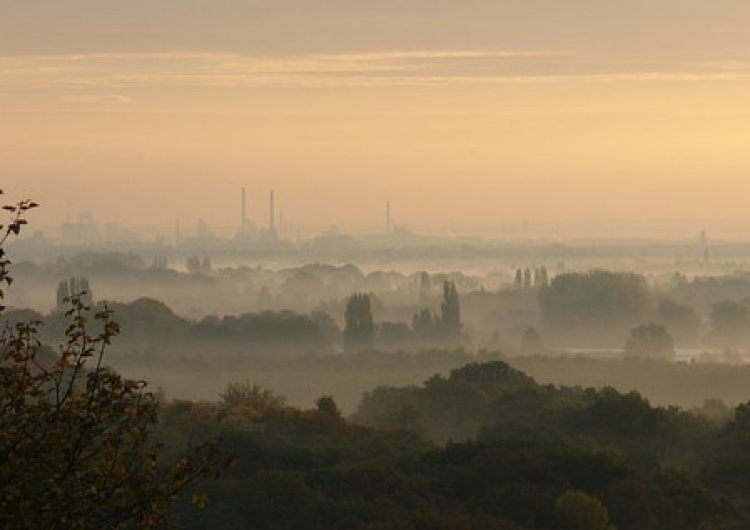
[(112, 99), (118, 72)]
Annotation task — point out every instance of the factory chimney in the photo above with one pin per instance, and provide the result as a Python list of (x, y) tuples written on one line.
[(388, 218), (272, 214), (243, 228)]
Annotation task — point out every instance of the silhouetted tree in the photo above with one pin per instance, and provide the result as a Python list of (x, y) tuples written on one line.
[(327, 405), (359, 327), (650, 340), (595, 297), (676, 315), (583, 511), (394, 332), (450, 311), (77, 439), (425, 285), (423, 323), (246, 394), (543, 277), (160, 262), (531, 342), (74, 286), (193, 264), (206, 265), (527, 278), (730, 322)]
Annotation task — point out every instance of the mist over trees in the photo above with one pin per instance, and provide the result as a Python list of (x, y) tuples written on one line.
[(269, 317), (450, 312), (569, 309), (650, 341), (359, 329), (77, 439), (520, 455), (382, 399), (73, 286), (601, 298), (423, 326)]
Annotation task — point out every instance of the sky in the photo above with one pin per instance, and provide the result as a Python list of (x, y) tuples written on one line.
[(475, 113)]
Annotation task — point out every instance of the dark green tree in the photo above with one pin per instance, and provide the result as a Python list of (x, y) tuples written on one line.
[(583, 511), (680, 318), (730, 321), (247, 394), (359, 329), (450, 312), (77, 444), (595, 298), (651, 341), (423, 324), (394, 332), (327, 405)]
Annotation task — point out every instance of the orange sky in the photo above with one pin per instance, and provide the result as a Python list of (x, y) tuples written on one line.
[(458, 113)]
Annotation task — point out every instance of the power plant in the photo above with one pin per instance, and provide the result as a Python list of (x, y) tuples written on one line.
[(388, 218), (243, 229), (272, 214)]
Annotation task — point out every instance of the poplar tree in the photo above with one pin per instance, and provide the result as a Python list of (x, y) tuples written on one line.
[(450, 311), (359, 329)]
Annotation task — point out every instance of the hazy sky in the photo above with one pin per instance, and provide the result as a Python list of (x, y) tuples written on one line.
[(479, 111)]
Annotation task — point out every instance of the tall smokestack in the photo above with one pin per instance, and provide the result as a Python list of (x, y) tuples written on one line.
[(243, 229), (388, 217), (272, 214)]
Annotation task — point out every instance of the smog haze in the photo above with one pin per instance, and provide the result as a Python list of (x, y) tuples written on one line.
[(462, 115)]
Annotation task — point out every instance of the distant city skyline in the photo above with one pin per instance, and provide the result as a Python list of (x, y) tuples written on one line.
[(87, 225), (461, 114)]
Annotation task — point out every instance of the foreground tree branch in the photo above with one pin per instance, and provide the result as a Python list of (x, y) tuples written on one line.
[(77, 441)]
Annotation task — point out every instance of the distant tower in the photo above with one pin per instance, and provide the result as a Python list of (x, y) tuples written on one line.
[(704, 244), (243, 228), (271, 213), (387, 217)]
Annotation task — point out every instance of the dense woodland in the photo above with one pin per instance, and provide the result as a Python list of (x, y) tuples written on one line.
[(380, 401), (484, 447), (567, 308), (596, 327)]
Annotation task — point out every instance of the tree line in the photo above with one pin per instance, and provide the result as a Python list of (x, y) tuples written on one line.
[(485, 446)]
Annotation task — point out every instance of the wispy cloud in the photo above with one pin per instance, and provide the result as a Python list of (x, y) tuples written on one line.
[(112, 99), (116, 73)]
